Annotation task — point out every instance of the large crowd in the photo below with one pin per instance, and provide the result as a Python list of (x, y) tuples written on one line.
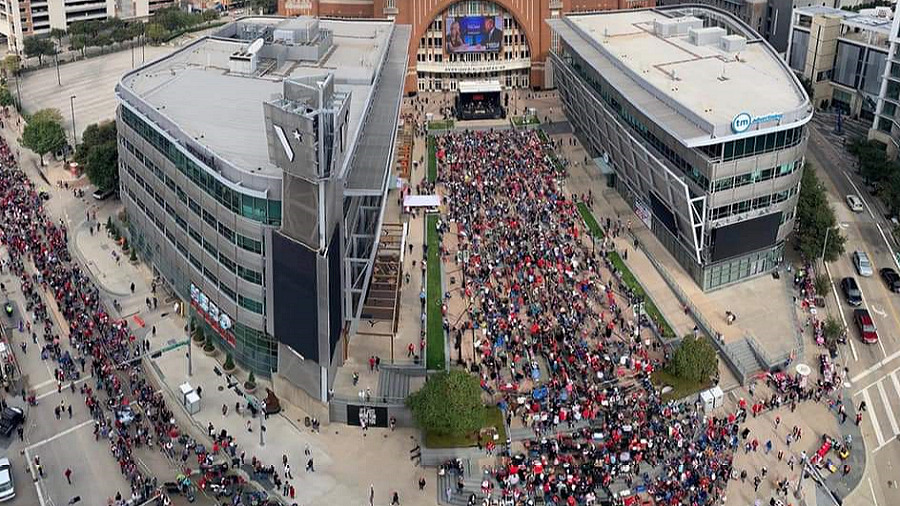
[(557, 342), (127, 411)]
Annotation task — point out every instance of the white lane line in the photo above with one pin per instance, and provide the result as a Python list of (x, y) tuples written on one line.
[(54, 392), (875, 367), (887, 407), (859, 194), (872, 489), (878, 436), (43, 384), (896, 382), (862, 295), (35, 477), (837, 300), (67, 432)]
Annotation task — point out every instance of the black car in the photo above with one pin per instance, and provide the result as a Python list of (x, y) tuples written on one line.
[(891, 279), (10, 419), (851, 291)]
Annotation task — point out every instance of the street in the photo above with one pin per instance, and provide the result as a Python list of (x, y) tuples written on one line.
[(874, 368)]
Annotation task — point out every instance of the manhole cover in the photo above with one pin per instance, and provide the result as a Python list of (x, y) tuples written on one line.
[(221, 388)]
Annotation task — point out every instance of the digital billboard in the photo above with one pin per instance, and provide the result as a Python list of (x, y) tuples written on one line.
[(473, 34)]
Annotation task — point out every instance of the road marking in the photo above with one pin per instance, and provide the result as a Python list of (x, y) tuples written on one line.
[(862, 295), (872, 489), (878, 435), (837, 301), (43, 384), (887, 407), (65, 433), (859, 194), (52, 392), (34, 476), (880, 312)]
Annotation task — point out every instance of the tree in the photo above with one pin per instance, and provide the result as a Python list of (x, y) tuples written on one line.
[(815, 219), (155, 32), (695, 360), (58, 34), (40, 47), (98, 154), (79, 42), (832, 330), (872, 159), (11, 64), (6, 98), (43, 134), (449, 404), (48, 114)]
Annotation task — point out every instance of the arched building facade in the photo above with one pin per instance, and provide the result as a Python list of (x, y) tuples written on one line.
[(519, 61)]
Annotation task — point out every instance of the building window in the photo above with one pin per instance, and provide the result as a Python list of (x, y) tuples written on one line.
[(250, 275), (249, 244), (226, 262), (195, 207), (250, 304), (228, 292)]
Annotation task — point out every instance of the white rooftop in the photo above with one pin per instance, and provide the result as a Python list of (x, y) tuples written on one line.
[(699, 83), (223, 111)]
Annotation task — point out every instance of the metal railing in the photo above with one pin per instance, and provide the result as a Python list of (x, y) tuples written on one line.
[(730, 358)]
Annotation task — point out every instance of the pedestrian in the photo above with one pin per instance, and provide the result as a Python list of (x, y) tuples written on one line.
[(224, 410), (287, 472), (371, 494), (422, 483), (395, 498), (68, 474), (56, 412), (306, 450), (858, 418), (310, 468), (70, 411), (132, 287)]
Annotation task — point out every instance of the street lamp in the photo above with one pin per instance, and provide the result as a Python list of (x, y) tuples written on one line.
[(74, 131), (825, 244)]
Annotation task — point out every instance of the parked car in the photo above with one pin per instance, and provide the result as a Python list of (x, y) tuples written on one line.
[(862, 263), (7, 487), (851, 291), (10, 419), (866, 326), (891, 279), (855, 203), (103, 194)]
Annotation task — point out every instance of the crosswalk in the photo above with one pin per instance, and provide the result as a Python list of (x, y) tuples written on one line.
[(882, 397)]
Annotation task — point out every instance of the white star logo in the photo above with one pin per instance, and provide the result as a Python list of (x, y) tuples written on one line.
[(298, 135)]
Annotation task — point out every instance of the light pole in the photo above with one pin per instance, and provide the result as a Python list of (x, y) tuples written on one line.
[(74, 131), (56, 59), (825, 245)]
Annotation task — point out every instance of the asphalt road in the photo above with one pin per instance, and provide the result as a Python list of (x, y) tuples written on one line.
[(874, 368)]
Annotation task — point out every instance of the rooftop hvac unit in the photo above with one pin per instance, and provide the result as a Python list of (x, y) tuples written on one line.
[(706, 36), (733, 43)]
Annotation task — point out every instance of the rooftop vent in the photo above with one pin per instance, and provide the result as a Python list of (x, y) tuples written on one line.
[(670, 27), (733, 43), (706, 36)]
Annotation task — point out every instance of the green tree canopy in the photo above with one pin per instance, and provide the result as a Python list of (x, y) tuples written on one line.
[(6, 98), (155, 32), (40, 47), (695, 359), (815, 219), (11, 64), (97, 153), (449, 404), (43, 134)]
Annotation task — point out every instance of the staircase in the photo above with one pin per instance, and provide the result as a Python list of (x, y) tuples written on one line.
[(742, 353), (472, 485), (393, 384)]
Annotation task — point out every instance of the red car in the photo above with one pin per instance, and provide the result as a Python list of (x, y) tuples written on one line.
[(866, 326)]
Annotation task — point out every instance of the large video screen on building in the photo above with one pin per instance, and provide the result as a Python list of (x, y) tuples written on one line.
[(745, 236), (473, 34)]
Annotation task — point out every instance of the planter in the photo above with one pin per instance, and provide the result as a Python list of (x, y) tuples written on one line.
[(249, 387), (228, 370), (210, 352)]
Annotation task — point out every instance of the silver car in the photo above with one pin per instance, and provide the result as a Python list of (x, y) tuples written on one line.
[(862, 263), (7, 487)]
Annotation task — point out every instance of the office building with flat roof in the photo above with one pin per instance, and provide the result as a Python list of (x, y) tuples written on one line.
[(699, 125), (254, 166)]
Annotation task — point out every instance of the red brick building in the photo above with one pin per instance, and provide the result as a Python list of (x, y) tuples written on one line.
[(519, 61)]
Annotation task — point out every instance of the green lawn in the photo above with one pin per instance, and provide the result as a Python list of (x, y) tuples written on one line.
[(446, 124), (681, 387), (525, 120), (434, 351), (649, 307), (592, 224), (432, 159), (494, 418)]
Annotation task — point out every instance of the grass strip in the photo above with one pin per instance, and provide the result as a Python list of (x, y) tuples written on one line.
[(434, 331)]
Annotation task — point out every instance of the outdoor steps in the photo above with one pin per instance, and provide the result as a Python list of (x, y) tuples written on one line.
[(472, 485), (743, 353), (393, 385)]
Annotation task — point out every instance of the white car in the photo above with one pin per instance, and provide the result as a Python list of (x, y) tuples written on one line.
[(862, 263), (7, 487), (855, 203)]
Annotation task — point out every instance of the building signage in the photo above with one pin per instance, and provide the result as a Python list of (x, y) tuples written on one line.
[(643, 212), (216, 318), (372, 416), (743, 121), (465, 67)]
